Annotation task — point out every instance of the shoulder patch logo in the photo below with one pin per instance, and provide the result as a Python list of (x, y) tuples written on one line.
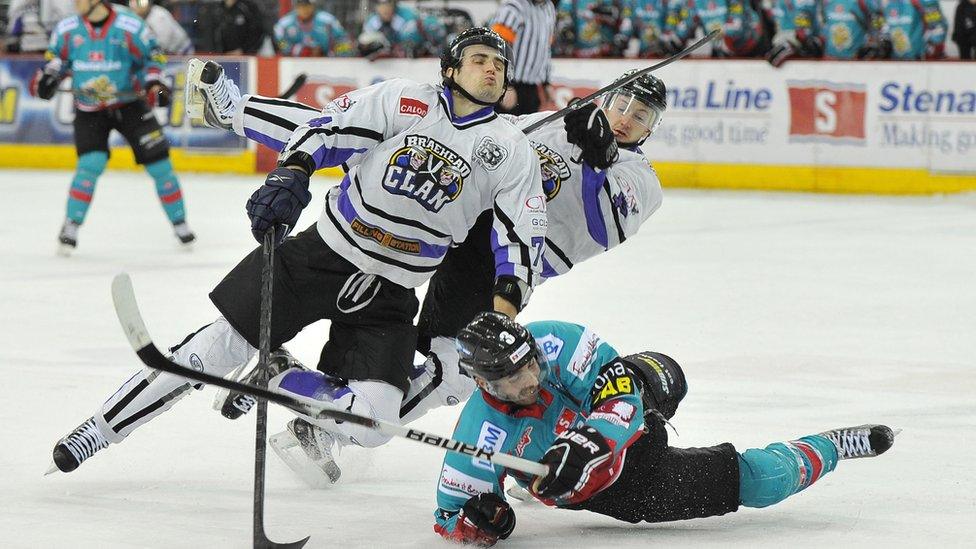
[(554, 168), (551, 346), (490, 154), (413, 107), (340, 104), (491, 439)]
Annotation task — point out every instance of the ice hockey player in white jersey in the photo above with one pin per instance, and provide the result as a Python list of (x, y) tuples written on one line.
[(599, 189), (424, 161), (170, 35)]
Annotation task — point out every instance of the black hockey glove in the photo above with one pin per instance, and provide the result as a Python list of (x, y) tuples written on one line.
[(589, 129), (572, 460), (491, 514), (45, 82), (876, 49), (278, 203), (158, 94)]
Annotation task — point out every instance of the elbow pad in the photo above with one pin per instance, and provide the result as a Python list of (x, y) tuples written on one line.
[(513, 290)]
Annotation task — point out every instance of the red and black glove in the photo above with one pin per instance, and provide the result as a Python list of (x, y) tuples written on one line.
[(45, 82), (485, 519), (576, 462), (158, 94)]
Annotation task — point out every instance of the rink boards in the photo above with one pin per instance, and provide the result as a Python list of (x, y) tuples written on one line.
[(881, 127)]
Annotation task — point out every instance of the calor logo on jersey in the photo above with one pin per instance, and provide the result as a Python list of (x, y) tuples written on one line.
[(413, 107), (426, 171)]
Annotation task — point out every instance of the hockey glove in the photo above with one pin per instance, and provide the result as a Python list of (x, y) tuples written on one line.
[(278, 203), (669, 43), (491, 515), (45, 82), (780, 52), (573, 460), (880, 49), (589, 129), (158, 94)]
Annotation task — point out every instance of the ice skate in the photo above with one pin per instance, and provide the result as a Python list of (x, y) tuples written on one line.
[(68, 238), (210, 96), (308, 451), (184, 234), (77, 446), (233, 404), (861, 441)]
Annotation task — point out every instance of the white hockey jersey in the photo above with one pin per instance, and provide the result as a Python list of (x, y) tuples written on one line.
[(418, 178), (614, 202), (170, 36)]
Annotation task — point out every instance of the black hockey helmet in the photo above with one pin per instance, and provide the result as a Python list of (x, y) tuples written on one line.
[(451, 57), (648, 90), (493, 346)]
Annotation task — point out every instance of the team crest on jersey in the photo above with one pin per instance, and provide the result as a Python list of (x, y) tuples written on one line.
[(490, 154), (625, 202), (426, 171), (554, 168), (340, 104)]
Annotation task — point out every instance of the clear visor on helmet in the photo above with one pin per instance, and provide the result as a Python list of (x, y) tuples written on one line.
[(623, 106), (522, 386)]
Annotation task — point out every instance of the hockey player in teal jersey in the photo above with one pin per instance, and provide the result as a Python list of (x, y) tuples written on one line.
[(555, 392), (310, 32), (797, 35), (598, 28), (117, 79), (851, 29), (917, 28)]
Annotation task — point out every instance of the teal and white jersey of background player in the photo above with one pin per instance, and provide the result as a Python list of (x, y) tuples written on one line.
[(573, 393)]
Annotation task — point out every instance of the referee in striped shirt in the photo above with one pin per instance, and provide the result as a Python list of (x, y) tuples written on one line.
[(528, 25)]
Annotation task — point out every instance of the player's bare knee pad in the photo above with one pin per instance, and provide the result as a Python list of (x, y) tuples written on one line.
[(663, 381), (437, 382)]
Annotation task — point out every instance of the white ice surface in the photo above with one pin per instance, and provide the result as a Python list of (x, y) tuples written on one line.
[(791, 313)]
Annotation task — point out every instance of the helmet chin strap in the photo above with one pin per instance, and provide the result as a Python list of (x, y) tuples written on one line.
[(450, 83)]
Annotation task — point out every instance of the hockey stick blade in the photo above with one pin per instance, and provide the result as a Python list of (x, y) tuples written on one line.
[(620, 83), (135, 330), (294, 87)]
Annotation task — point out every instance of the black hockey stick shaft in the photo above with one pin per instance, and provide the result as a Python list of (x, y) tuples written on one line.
[(294, 87), (261, 540), (135, 330), (620, 83)]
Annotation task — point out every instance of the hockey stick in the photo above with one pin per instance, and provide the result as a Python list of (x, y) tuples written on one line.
[(135, 330), (294, 87), (620, 83), (261, 540)]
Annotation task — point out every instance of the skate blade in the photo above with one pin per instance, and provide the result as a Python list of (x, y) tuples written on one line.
[(521, 494), (52, 468), (287, 448), (192, 97), (221, 395), (895, 432), (65, 250)]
